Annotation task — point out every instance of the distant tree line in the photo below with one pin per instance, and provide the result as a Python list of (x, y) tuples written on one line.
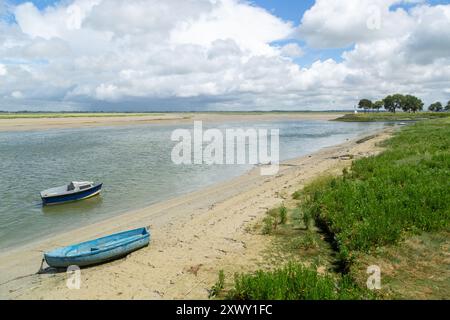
[(437, 107), (406, 103)]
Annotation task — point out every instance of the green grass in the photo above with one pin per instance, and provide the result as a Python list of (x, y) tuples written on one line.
[(305, 242), (274, 218), (391, 210), (295, 282), (416, 268), (404, 190), (218, 286), (387, 116)]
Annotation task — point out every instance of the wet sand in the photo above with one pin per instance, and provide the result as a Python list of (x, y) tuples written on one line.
[(25, 124)]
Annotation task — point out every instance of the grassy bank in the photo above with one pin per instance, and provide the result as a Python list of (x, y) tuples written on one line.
[(295, 282), (391, 210), (383, 198), (387, 116)]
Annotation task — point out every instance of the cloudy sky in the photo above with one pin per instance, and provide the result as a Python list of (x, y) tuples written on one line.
[(220, 54)]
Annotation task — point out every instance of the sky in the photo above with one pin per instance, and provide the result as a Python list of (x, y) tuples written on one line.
[(149, 55)]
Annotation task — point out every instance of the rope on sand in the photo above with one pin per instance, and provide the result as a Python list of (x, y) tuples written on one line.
[(41, 270)]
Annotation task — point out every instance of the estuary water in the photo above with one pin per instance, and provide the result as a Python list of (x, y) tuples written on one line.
[(134, 164)]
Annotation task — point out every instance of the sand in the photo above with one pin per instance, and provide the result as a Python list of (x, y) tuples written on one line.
[(24, 124), (193, 236)]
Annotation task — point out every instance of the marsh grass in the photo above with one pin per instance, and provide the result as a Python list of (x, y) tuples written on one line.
[(268, 225), (283, 214), (274, 217), (297, 195), (404, 190), (417, 268), (294, 282), (306, 242), (218, 286)]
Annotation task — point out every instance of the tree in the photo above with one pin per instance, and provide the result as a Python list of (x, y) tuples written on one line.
[(435, 107), (447, 107), (391, 103), (365, 104), (378, 105), (411, 103)]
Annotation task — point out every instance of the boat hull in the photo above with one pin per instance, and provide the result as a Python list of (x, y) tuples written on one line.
[(81, 195), (106, 249)]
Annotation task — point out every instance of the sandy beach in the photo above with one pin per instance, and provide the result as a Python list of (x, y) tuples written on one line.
[(24, 124), (193, 236)]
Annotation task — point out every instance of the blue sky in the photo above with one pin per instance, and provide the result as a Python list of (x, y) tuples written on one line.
[(41, 4), (287, 9)]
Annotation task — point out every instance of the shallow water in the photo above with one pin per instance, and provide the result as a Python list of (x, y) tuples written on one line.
[(133, 163)]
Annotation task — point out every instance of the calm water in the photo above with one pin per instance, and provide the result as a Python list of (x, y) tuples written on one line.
[(133, 163)]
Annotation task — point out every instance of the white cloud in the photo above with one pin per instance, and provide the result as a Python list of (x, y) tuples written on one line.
[(107, 92), (430, 38), (252, 28), (222, 53), (292, 50), (17, 94), (342, 23), (54, 21), (3, 70)]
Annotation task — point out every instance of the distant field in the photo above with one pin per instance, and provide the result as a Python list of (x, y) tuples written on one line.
[(385, 116), (26, 115)]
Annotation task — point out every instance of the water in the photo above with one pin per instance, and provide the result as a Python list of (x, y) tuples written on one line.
[(133, 163)]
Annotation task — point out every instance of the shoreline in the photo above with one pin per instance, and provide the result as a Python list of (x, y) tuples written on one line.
[(191, 235), (31, 124)]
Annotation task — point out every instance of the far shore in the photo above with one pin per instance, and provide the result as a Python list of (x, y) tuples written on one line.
[(193, 236), (43, 122)]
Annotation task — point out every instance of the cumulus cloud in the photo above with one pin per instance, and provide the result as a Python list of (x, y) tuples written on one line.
[(345, 22), (292, 50), (220, 54), (430, 38)]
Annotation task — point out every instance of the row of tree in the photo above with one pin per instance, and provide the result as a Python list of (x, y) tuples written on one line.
[(407, 103), (437, 107)]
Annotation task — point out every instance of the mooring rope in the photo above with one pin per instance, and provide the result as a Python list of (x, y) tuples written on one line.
[(41, 270)]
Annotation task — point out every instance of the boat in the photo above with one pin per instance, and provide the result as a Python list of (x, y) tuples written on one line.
[(76, 190), (98, 250)]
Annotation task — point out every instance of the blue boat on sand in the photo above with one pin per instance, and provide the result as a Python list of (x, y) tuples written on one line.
[(76, 190), (99, 250)]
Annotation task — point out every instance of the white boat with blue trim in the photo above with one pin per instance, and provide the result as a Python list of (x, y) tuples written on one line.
[(74, 191)]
